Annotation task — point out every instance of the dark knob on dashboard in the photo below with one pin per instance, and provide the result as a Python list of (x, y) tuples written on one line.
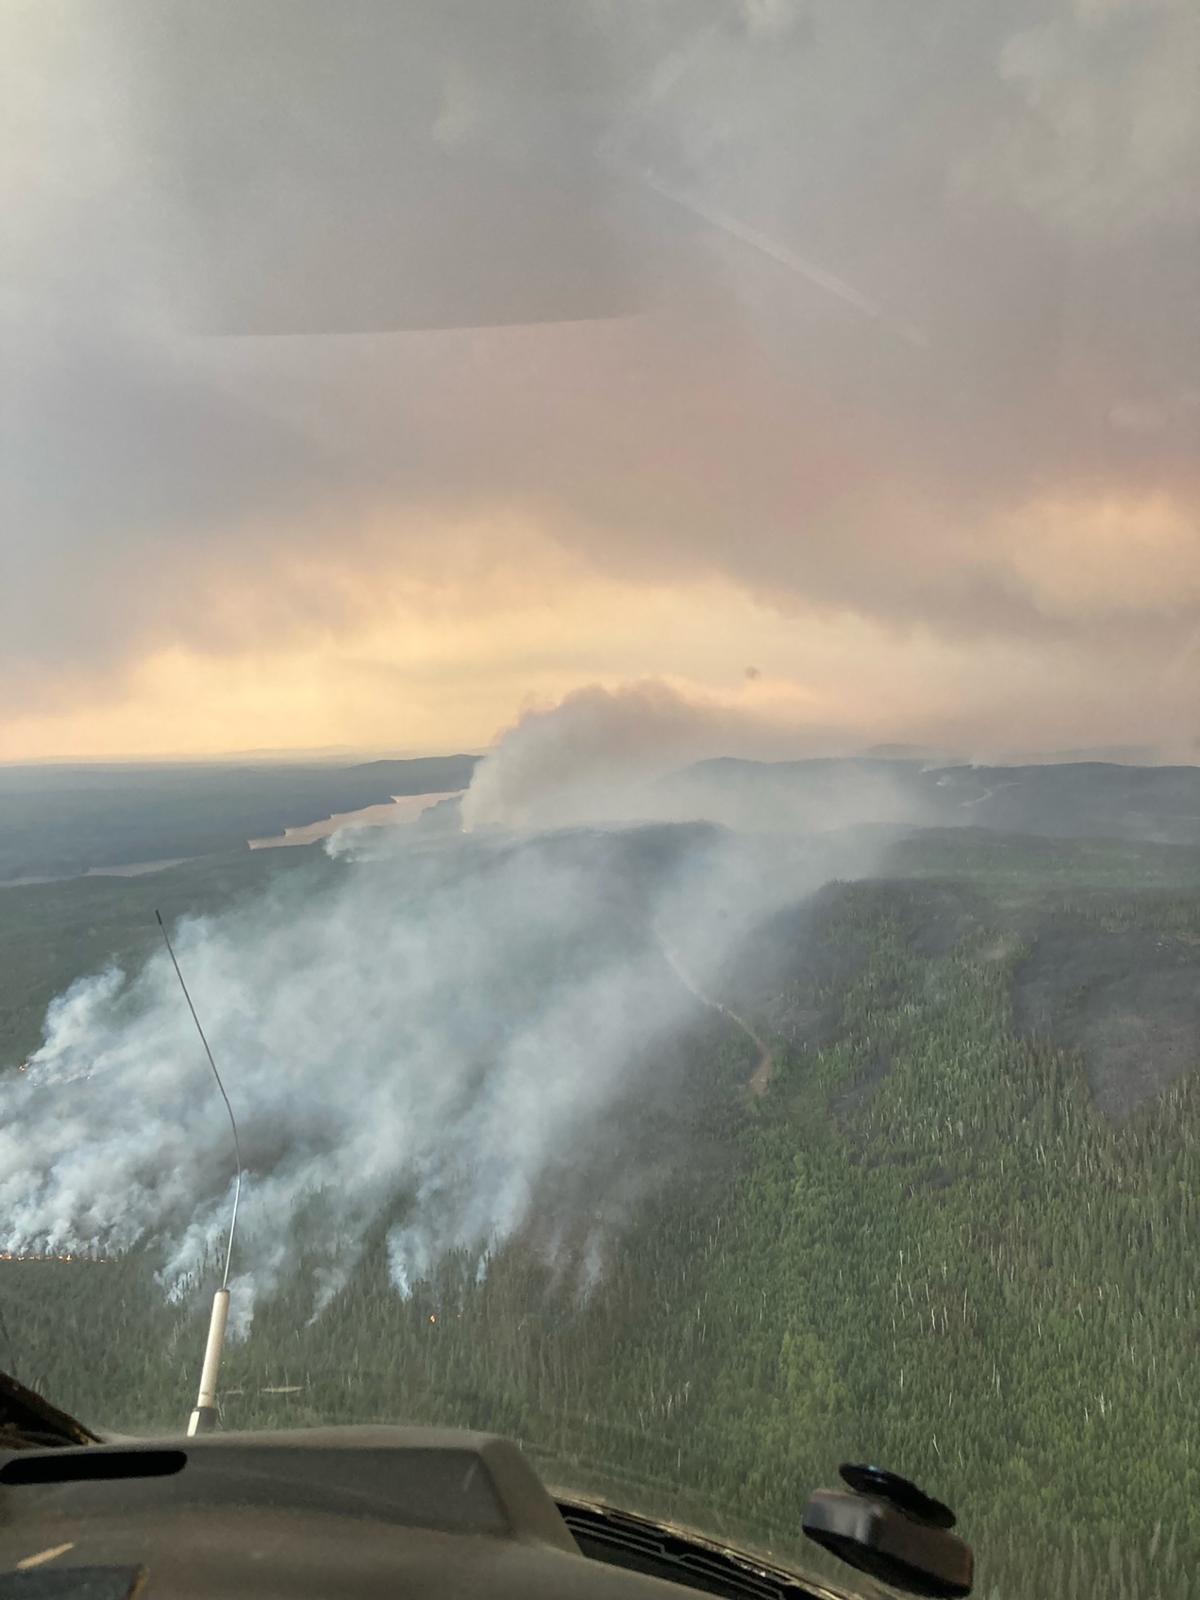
[(898, 1492)]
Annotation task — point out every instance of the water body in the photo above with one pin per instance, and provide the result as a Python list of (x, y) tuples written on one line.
[(401, 811), (127, 869), (136, 869)]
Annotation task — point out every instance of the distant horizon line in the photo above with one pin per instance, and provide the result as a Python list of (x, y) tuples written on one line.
[(897, 750), (279, 755)]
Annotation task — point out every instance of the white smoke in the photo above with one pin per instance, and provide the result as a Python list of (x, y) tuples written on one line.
[(603, 754), (418, 1036), (596, 755)]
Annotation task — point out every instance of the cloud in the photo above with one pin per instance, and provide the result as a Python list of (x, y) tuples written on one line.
[(1109, 561), (1105, 143), (1017, 192)]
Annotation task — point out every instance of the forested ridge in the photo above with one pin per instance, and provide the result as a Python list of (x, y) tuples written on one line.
[(924, 1245)]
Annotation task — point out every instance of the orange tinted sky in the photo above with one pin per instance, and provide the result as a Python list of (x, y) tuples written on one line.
[(440, 665)]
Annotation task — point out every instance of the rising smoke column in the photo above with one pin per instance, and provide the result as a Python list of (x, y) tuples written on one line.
[(595, 755), (419, 1033), (424, 1037)]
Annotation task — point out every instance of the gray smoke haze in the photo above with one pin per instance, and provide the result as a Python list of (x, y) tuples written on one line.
[(419, 1036), (887, 310), (610, 754), (596, 755)]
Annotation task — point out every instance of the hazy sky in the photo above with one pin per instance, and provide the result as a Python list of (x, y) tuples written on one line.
[(371, 370)]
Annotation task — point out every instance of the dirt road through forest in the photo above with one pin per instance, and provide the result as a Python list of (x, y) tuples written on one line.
[(761, 1076)]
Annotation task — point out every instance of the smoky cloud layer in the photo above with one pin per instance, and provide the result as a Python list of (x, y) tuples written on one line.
[(421, 1037), (595, 757), (868, 308)]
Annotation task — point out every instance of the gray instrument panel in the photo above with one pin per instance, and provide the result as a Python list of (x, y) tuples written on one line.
[(371, 1511)]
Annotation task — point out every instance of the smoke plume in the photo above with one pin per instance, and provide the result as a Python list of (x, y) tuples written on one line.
[(604, 754), (593, 756), (418, 1035)]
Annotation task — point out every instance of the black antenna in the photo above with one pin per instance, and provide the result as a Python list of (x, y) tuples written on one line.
[(205, 1414), (237, 1149)]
